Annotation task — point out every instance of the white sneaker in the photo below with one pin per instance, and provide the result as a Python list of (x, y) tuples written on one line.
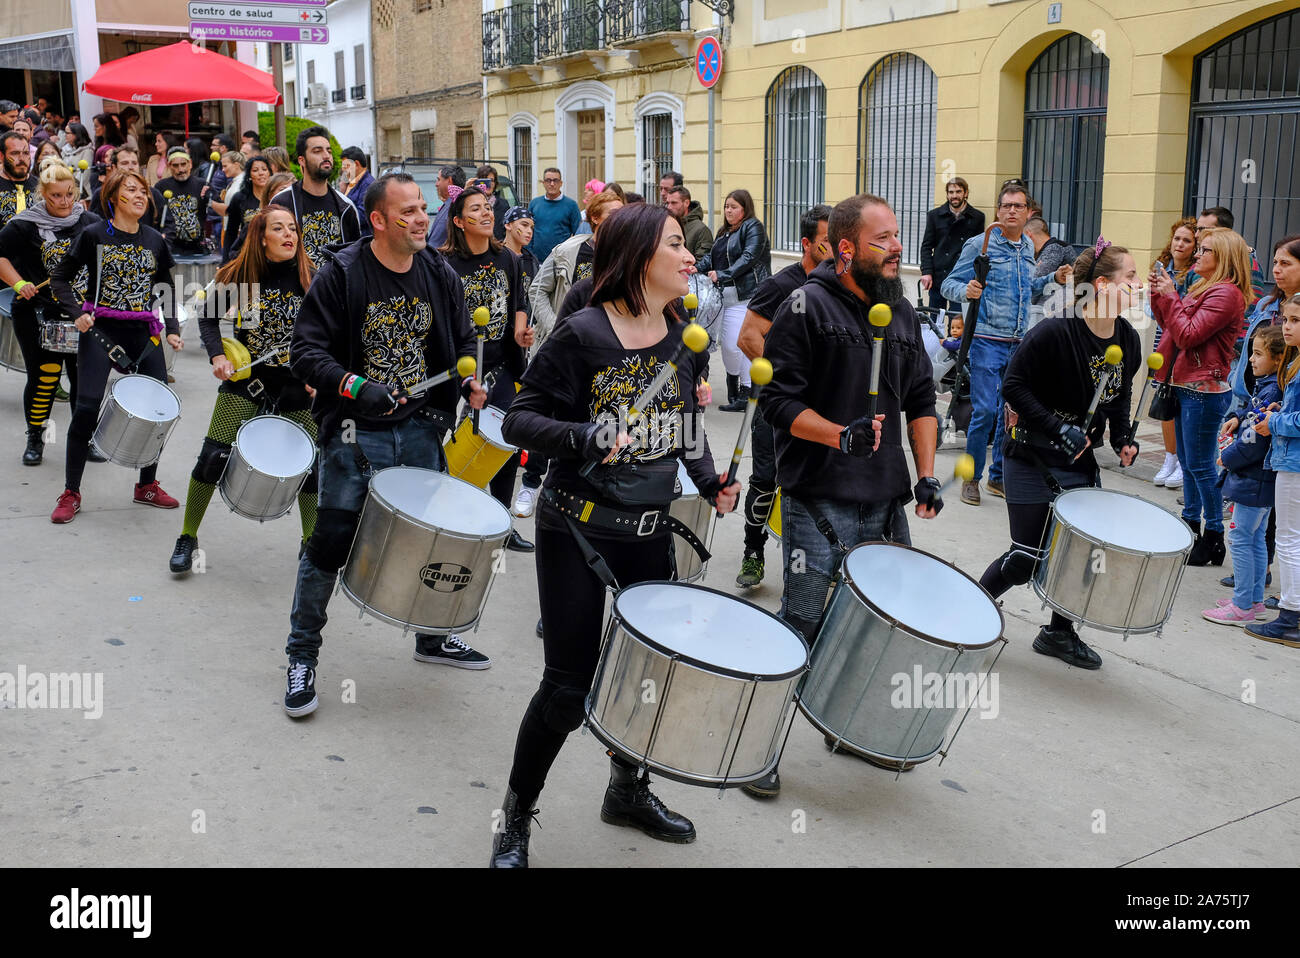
[(525, 502), (1175, 479), (1167, 470)]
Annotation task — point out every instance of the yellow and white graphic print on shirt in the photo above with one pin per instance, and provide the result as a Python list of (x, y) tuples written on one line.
[(127, 281), (320, 229), (582, 271), (392, 340), (490, 287), (1096, 364), (183, 214), (269, 324), (9, 204), (616, 388), (52, 254)]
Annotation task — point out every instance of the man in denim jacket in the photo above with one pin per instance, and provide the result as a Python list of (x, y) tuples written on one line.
[(1002, 320)]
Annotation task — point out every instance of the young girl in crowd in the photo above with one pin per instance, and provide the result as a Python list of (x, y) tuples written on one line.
[(1248, 484), (1284, 459)]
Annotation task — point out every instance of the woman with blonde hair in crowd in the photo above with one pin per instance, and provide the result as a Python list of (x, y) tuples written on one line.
[(1200, 344), (278, 157)]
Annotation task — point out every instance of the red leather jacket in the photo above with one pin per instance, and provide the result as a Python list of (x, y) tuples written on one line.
[(1205, 330)]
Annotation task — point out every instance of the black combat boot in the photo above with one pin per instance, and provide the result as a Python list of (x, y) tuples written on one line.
[(629, 801), (510, 843)]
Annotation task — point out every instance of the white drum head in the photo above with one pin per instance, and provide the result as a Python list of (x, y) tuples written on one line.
[(924, 594), (437, 500), (688, 487), (490, 422), (275, 446), (711, 628), (146, 398), (7, 301), (1123, 521)]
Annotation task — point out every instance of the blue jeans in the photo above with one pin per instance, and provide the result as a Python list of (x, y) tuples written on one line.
[(1197, 428), (811, 561), (416, 441), (1249, 553), (988, 360)]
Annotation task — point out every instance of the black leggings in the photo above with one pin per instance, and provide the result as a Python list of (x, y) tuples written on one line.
[(1028, 523), (43, 369), (94, 365), (573, 618)]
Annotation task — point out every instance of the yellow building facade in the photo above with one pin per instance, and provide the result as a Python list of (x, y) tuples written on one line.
[(1120, 114)]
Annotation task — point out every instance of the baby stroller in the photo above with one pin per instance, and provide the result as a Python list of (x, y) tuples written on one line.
[(934, 330)]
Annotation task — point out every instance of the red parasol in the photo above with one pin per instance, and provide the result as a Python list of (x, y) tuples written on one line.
[(180, 73)]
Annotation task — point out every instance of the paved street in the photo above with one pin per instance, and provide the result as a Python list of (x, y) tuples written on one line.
[(1155, 759)]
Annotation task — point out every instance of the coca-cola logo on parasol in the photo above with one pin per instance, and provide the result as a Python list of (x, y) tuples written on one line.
[(141, 97)]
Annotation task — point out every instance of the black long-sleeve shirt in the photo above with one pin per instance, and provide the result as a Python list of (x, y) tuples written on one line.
[(583, 374), (396, 329), (820, 348), (1050, 382), (134, 266)]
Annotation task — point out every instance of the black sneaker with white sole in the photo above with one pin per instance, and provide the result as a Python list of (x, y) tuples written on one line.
[(449, 650), (300, 692)]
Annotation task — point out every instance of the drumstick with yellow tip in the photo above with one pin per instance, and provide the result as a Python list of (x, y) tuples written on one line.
[(1114, 356), (481, 319), (464, 367), (1154, 364), (162, 220), (879, 316), (760, 374), (963, 471)]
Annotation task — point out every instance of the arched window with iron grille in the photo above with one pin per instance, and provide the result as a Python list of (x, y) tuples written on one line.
[(1065, 136), (1245, 119), (794, 154), (897, 104)]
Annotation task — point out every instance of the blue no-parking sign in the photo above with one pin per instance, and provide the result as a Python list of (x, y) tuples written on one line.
[(708, 61)]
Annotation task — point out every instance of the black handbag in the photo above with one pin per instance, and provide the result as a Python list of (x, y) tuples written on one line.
[(652, 483), (1164, 405)]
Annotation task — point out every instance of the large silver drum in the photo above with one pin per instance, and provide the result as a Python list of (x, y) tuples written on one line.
[(424, 553), (691, 508), (137, 416), (270, 460), (694, 684), (11, 354), (902, 651), (1112, 561)]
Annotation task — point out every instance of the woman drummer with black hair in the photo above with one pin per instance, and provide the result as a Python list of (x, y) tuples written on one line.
[(1048, 389), (575, 394), (127, 263), (272, 269)]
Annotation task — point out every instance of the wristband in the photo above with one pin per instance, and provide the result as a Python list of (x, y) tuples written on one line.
[(18, 286), (350, 388)]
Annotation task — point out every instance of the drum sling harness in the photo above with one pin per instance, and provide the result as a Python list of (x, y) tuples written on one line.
[(576, 509), (117, 355)]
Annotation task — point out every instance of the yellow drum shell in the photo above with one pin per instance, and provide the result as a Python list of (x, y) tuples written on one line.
[(476, 459)]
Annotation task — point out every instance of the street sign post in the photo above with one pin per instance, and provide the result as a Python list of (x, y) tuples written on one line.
[(708, 69), (264, 32), (256, 13)]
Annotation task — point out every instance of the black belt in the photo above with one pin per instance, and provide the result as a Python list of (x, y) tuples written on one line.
[(579, 510), (1031, 442)]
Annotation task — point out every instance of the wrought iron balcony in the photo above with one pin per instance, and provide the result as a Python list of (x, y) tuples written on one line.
[(568, 26), (631, 20), (509, 37), (357, 92)]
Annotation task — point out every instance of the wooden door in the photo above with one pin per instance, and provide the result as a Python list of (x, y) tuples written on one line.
[(591, 147)]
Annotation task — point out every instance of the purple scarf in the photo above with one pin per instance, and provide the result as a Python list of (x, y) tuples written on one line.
[(155, 324)]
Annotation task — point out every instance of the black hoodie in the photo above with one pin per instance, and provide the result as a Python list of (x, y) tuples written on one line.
[(820, 349), (327, 336)]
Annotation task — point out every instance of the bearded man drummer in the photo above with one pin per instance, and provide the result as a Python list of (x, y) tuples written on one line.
[(382, 315), (842, 471)]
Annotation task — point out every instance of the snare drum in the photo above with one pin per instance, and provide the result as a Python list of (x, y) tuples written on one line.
[(59, 336), (476, 459), (423, 557), (694, 684), (696, 513), (137, 416), (270, 460), (899, 654), (11, 354), (1112, 561)]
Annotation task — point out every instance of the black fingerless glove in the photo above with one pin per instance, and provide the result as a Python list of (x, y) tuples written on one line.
[(858, 438), (585, 441), (1119, 450), (928, 493), (375, 399), (1071, 439)]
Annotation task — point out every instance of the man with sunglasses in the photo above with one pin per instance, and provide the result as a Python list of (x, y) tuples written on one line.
[(1001, 322), (555, 216)]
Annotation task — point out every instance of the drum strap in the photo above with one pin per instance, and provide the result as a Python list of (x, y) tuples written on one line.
[(117, 354), (823, 526), (576, 509)]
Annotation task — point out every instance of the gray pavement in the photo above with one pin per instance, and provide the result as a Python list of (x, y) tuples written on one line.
[(1154, 760)]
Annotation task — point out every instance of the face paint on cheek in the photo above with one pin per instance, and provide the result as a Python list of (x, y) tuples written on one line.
[(402, 224), (878, 249)]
